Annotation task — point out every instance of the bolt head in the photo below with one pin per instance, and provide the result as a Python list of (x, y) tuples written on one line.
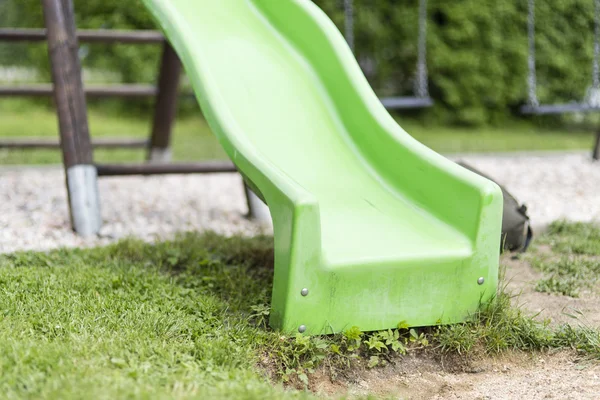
[(480, 281), (302, 328), (304, 292)]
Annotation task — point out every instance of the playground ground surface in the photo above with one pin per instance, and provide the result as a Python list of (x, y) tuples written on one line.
[(186, 319), (35, 215)]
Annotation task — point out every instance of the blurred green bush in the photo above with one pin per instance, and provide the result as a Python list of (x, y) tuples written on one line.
[(476, 52), (477, 49), (133, 63)]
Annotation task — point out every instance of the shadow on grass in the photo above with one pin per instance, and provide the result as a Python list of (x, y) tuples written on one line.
[(237, 270)]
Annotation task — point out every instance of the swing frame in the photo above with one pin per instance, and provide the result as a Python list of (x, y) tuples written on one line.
[(422, 98), (534, 107)]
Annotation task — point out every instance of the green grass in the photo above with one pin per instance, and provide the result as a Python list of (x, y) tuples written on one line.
[(511, 137), (573, 238), (187, 319), (136, 321), (193, 141), (499, 326), (572, 265), (192, 138), (567, 275)]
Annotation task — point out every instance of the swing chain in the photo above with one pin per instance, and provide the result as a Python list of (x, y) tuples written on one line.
[(593, 95), (421, 83), (349, 23), (596, 68), (531, 77)]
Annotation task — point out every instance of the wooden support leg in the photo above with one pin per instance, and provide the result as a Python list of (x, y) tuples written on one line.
[(159, 150), (70, 102)]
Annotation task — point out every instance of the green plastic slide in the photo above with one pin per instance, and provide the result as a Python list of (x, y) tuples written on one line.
[(371, 227)]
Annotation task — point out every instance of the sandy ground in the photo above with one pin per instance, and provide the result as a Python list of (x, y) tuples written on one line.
[(521, 280), (512, 375)]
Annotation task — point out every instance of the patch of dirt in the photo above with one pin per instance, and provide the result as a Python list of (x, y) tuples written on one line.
[(510, 376)]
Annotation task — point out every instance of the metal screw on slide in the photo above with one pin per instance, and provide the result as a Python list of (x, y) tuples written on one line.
[(480, 281), (302, 328)]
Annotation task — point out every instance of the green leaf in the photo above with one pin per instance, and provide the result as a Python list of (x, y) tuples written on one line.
[(398, 348), (321, 344), (303, 378), (353, 333), (335, 349), (373, 361), (375, 343), (403, 325)]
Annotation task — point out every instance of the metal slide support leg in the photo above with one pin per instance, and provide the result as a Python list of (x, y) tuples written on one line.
[(257, 209), (159, 150), (70, 102), (596, 151)]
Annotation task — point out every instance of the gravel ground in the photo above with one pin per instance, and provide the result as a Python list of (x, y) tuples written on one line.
[(552, 185), (33, 210)]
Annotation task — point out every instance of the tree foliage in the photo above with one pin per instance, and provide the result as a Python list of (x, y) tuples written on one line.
[(476, 49)]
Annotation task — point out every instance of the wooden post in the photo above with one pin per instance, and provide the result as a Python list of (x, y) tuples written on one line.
[(166, 106), (596, 151), (70, 102)]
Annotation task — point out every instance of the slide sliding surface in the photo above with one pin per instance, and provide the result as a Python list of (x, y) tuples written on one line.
[(375, 226)]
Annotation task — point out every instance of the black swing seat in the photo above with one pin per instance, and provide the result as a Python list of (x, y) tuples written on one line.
[(394, 103), (544, 109)]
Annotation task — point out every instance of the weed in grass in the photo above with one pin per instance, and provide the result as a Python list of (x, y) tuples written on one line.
[(260, 315), (299, 356)]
